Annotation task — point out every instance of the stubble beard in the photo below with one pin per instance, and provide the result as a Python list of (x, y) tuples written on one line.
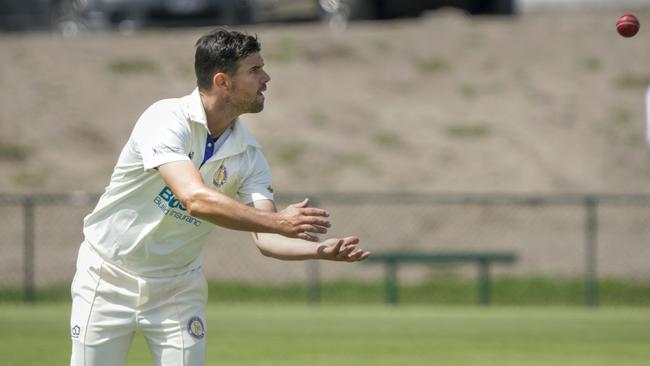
[(256, 106), (252, 105)]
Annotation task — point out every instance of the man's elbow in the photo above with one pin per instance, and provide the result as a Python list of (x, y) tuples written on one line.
[(265, 252), (193, 208), (261, 247), (194, 202)]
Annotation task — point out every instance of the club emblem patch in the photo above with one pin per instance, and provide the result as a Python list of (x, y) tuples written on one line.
[(220, 176), (195, 327)]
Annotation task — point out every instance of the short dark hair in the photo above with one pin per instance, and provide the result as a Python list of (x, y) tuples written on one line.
[(220, 50)]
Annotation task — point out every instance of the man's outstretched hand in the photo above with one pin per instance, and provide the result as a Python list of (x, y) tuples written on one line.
[(301, 221), (343, 250)]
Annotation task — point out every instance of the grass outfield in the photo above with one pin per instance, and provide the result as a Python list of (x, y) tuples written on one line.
[(288, 335)]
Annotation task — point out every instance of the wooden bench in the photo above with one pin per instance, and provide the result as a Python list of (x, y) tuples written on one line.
[(392, 260)]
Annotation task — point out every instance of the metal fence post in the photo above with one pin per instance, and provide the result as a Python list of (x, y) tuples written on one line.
[(29, 293), (483, 282), (392, 295), (591, 249)]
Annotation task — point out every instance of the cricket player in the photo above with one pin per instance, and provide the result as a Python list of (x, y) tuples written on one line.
[(189, 165)]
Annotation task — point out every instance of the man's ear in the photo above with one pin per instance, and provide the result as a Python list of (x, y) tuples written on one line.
[(221, 80)]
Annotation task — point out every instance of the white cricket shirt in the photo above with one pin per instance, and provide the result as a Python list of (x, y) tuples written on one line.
[(138, 224)]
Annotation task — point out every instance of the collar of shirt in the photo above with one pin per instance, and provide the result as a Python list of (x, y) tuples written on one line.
[(240, 138)]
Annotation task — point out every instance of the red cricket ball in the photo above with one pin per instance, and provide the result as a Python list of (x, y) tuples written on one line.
[(627, 25)]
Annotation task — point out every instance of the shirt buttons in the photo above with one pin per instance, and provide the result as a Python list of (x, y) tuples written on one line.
[(209, 144)]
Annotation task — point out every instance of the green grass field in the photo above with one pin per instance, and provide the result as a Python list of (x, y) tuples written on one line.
[(288, 335)]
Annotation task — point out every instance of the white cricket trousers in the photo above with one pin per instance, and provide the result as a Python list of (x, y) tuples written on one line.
[(109, 305)]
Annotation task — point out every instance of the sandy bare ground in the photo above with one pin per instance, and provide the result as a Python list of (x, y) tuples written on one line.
[(444, 103), (540, 103)]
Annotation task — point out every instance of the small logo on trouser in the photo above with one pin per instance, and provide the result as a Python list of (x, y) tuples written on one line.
[(196, 328), (75, 331)]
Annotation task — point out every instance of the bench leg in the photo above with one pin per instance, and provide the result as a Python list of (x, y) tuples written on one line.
[(483, 282), (391, 283)]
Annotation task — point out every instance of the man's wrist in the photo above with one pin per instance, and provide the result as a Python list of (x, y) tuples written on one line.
[(273, 222), (320, 251)]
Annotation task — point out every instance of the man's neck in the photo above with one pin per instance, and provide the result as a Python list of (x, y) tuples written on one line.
[(218, 115)]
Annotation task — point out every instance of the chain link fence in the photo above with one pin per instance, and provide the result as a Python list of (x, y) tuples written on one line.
[(570, 235)]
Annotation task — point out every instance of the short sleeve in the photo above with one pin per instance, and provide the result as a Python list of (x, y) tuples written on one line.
[(257, 185), (161, 136)]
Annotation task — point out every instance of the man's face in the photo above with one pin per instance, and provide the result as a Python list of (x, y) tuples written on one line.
[(248, 84)]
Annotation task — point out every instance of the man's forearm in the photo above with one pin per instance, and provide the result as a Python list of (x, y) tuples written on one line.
[(280, 247), (224, 211)]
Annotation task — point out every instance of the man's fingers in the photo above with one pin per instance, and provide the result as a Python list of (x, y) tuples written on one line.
[(313, 220), (311, 211), (348, 248), (313, 229), (351, 240), (344, 252), (321, 229), (356, 254), (365, 255)]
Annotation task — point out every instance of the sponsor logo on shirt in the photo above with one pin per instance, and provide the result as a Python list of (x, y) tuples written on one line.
[(172, 207)]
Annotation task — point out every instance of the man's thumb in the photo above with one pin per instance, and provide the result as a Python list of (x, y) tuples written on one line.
[(303, 204)]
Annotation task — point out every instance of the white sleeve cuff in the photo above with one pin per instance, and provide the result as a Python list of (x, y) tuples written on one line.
[(257, 196), (154, 162)]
